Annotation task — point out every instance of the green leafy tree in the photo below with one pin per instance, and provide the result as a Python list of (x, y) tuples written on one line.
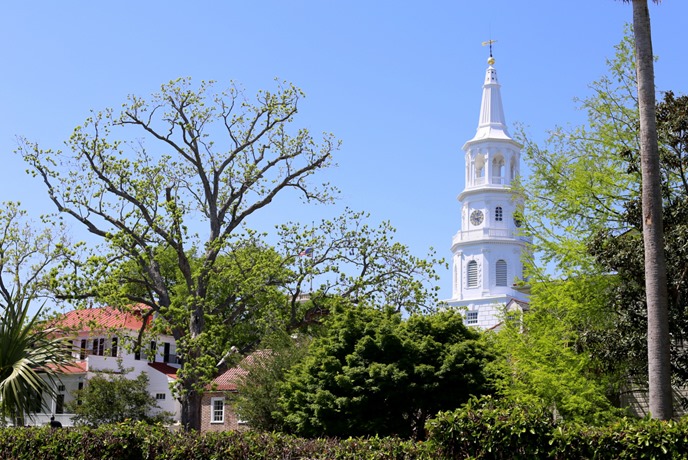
[(623, 254), (216, 159), (30, 353), (355, 260), (586, 199), (114, 397), (580, 181), (266, 370), (551, 356), (30, 359), (374, 373)]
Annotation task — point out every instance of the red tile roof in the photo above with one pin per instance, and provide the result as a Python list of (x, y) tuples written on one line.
[(165, 369), (93, 319), (229, 380), (77, 367)]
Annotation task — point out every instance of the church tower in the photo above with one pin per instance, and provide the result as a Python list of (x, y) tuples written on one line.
[(487, 249)]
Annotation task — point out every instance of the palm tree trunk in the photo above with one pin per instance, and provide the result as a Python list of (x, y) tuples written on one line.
[(658, 342)]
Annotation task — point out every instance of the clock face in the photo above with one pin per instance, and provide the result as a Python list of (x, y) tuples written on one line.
[(477, 217)]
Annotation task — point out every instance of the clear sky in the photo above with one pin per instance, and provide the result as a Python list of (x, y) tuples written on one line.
[(399, 82)]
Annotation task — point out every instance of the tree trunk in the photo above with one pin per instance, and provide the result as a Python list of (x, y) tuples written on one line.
[(191, 411), (192, 395), (658, 342)]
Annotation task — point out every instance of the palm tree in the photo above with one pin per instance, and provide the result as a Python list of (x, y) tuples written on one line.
[(658, 340), (30, 359)]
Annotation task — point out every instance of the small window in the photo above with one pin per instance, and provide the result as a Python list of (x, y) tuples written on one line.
[(472, 273), (113, 350), (60, 388), (36, 401), (59, 404), (501, 273), (499, 214), (160, 396), (153, 349), (166, 352), (82, 352), (472, 317), (217, 407), (98, 347)]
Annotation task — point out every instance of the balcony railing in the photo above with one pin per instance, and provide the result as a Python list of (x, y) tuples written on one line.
[(494, 180), (470, 235)]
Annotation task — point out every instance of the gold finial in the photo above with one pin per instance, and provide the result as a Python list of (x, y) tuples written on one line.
[(490, 60)]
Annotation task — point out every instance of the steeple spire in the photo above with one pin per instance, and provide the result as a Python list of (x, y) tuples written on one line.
[(491, 124)]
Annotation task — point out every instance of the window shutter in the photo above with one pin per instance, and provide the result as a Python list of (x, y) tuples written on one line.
[(501, 273), (472, 272)]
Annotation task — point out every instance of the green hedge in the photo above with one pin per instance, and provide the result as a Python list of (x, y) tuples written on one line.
[(490, 430), (484, 430), (140, 441)]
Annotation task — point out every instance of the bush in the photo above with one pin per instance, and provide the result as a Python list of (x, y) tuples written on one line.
[(490, 429), (487, 429), (142, 441), (482, 430)]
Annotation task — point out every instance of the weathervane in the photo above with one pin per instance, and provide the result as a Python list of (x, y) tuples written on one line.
[(490, 42)]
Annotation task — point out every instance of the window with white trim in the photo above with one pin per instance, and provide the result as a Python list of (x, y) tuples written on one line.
[(217, 410), (499, 214), (472, 274), (472, 317), (160, 396), (500, 277)]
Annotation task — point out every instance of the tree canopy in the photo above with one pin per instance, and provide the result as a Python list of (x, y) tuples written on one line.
[(585, 214), (374, 373), (167, 185), (114, 397)]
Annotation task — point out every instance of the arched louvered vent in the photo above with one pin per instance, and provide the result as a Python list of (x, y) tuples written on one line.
[(501, 273), (472, 272)]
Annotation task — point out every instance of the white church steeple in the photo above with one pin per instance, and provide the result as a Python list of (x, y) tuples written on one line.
[(487, 250), (491, 123)]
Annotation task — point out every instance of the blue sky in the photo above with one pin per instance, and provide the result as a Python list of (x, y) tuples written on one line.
[(399, 82)]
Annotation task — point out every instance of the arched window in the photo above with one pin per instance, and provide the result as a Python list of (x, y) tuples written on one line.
[(497, 170), (472, 273), (501, 273), (499, 214), (479, 166)]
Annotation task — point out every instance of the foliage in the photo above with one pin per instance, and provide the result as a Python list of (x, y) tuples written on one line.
[(30, 358), (28, 250), (484, 430), (352, 259), (372, 373), (487, 429), (171, 219), (113, 397), (266, 370), (30, 353), (553, 357), (491, 429), (139, 200), (138, 441), (579, 180), (585, 214), (623, 255)]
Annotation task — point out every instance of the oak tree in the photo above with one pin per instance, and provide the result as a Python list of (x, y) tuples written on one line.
[(181, 171)]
